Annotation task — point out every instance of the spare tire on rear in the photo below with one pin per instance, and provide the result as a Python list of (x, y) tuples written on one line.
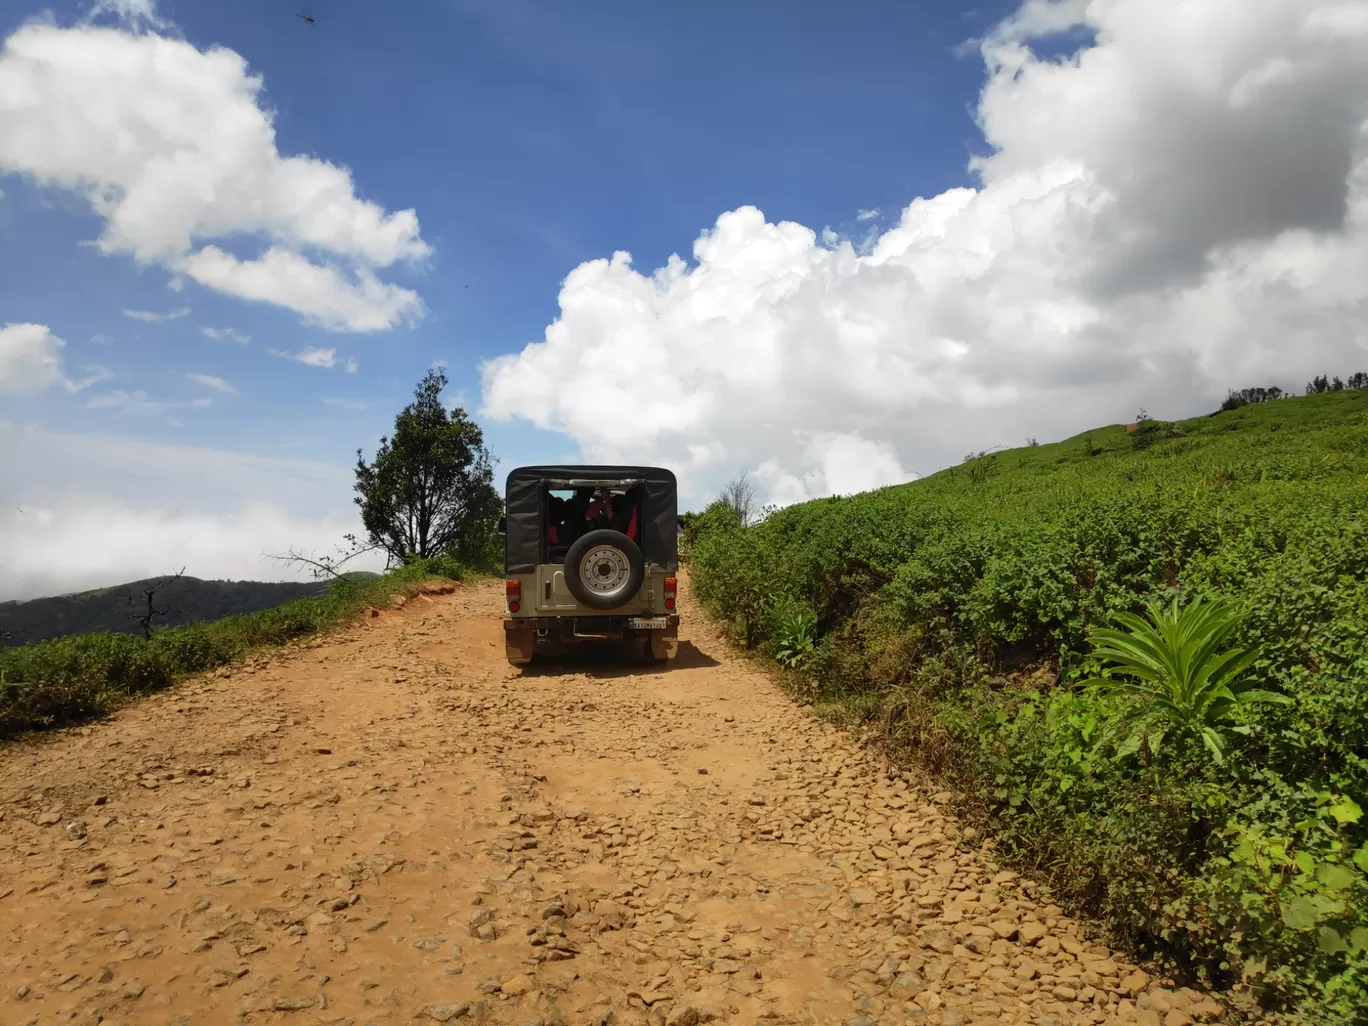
[(604, 569)]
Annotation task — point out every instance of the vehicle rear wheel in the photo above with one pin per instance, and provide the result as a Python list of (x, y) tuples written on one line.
[(604, 569), (519, 645)]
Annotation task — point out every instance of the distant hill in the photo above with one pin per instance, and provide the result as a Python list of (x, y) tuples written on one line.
[(118, 608)]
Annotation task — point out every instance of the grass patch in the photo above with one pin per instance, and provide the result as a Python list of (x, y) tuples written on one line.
[(959, 613), (51, 683)]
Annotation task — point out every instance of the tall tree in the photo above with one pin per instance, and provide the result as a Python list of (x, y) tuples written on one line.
[(430, 490)]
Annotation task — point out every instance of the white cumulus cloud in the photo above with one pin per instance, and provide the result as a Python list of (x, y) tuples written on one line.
[(213, 381), (138, 403), (172, 147), (31, 360), (97, 541), (156, 316), (131, 12), (94, 374), (310, 356), (315, 357), (227, 334), (840, 464), (1179, 207), (326, 296), (145, 507)]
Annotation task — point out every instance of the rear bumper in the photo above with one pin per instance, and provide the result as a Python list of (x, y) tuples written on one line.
[(570, 628)]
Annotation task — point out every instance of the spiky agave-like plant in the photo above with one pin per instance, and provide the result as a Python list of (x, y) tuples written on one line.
[(1170, 664), (795, 637)]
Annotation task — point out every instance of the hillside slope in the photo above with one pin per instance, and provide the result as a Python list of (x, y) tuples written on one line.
[(117, 608), (957, 610)]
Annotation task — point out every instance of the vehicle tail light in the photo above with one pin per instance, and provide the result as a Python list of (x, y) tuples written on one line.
[(671, 585), (513, 592)]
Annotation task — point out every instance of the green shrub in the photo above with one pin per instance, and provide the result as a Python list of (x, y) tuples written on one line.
[(962, 611), (449, 566), (741, 589), (1147, 432)]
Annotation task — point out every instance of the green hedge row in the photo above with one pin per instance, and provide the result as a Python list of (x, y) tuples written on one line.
[(957, 609)]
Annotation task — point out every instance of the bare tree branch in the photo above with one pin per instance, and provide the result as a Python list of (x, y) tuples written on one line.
[(150, 590), (324, 567), (740, 496)]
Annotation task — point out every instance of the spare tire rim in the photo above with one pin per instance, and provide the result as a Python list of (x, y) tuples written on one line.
[(605, 570)]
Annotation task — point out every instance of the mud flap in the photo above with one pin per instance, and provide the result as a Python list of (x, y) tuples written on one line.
[(518, 645)]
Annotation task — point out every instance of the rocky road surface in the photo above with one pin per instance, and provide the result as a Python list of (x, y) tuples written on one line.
[(392, 826)]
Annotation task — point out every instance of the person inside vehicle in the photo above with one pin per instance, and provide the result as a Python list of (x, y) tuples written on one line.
[(601, 509), (624, 516), (555, 519), (588, 512), (575, 512)]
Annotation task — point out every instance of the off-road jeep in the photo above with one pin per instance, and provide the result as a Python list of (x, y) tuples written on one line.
[(590, 553)]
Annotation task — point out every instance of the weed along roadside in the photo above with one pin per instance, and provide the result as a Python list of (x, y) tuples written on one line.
[(1140, 656), (65, 680)]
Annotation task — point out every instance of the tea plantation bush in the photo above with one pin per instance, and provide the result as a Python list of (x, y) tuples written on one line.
[(53, 682), (959, 610)]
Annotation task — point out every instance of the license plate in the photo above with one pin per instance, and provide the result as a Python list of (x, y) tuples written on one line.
[(648, 623)]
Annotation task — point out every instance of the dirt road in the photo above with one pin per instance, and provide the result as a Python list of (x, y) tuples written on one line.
[(394, 826)]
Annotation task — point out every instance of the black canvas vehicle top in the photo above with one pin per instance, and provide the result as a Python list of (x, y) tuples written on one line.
[(526, 510)]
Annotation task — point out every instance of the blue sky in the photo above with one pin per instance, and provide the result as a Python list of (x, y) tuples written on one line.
[(904, 232), (528, 138)]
